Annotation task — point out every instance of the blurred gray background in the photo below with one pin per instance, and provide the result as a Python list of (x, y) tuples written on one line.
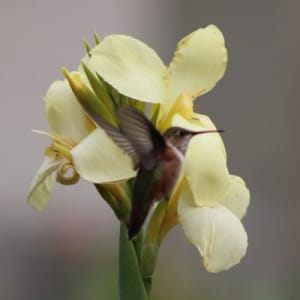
[(70, 250)]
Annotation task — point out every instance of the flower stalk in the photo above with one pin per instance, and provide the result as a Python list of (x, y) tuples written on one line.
[(131, 286)]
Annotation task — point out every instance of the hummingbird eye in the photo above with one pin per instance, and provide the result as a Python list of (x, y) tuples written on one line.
[(180, 133)]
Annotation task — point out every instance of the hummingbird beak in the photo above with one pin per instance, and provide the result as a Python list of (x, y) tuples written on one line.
[(207, 131)]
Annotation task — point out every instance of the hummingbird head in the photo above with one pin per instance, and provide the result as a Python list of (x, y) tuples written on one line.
[(179, 137)]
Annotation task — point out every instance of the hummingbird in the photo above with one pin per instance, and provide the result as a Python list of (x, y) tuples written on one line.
[(157, 158)]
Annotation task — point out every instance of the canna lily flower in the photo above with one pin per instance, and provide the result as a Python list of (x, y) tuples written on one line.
[(68, 126), (136, 71), (212, 202)]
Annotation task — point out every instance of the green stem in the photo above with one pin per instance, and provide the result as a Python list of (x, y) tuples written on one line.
[(131, 285), (148, 286), (151, 245), (148, 263)]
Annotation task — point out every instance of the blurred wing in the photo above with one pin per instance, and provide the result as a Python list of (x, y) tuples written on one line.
[(119, 138), (143, 136)]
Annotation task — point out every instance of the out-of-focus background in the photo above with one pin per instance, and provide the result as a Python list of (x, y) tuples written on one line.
[(69, 251)]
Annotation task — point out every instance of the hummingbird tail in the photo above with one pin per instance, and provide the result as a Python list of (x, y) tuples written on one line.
[(133, 231), (135, 225), (137, 219)]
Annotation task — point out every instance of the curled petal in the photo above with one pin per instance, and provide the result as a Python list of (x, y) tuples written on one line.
[(41, 185), (204, 165), (98, 159), (63, 175), (237, 196), (198, 63), (64, 114), (216, 232)]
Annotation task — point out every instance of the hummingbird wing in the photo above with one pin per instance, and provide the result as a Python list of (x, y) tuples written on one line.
[(138, 138), (119, 138), (143, 136)]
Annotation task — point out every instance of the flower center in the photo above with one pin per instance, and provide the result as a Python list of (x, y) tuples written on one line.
[(183, 106)]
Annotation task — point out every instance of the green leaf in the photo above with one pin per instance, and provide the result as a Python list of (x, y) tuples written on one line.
[(138, 245), (87, 46), (97, 38), (99, 88), (88, 100), (131, 285), (110, 199)]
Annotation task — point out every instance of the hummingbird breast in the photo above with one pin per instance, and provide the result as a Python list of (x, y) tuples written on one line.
[(153, 185), (171, 162)]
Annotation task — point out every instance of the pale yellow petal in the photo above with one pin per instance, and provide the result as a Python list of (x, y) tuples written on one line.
[(206, 122), (183, 106), (64, 114), (237, 196), (196, 122), (198, 63), (41, 185), (98, 159), (131, 67), (204, 165), (216, 232)]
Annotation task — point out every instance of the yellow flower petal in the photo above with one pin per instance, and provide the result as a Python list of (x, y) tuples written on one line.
[(204, 165), (206, 122), (131, 67), (98, 159), (64, 114), (216, 232), (195, 122), (237, 196), (41, 185), (183, 106), (199, 62)]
